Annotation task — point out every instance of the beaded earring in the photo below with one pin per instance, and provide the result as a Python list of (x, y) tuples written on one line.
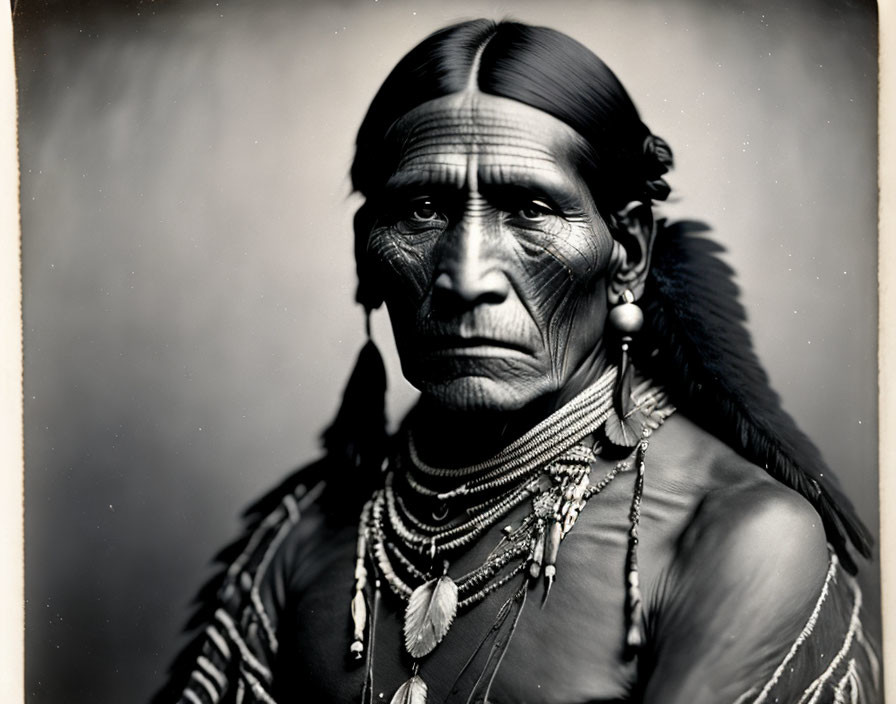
[(627, 319)]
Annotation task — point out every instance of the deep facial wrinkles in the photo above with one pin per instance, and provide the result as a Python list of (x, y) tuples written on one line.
[(494, 203)]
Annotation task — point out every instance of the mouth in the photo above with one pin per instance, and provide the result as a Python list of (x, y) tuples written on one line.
[(474, 346)]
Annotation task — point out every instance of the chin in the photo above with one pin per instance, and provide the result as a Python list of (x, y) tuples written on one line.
[(478, 394)]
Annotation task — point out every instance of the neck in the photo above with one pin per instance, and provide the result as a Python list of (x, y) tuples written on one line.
[(449, 437)]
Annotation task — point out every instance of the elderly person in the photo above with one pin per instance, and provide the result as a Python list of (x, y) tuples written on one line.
[(597, 497)]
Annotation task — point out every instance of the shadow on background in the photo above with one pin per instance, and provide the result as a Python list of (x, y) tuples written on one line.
[(188, 280)]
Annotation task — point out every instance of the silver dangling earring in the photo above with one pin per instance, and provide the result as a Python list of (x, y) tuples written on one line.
[(627, 319)]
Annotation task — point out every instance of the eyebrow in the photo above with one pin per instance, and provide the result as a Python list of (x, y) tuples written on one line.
[(442, 177), (504, 180)]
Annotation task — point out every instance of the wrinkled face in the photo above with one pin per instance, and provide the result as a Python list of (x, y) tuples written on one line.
[(490, 254)]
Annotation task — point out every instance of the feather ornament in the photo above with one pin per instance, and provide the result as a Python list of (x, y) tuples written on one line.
[(429, 614), (621, 428), (411, 692), (623, 431)]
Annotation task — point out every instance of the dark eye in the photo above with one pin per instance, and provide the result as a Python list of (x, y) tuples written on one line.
[(534, 210), (424, 210)]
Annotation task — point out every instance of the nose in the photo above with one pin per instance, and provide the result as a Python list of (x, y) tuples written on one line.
[(469, 268)]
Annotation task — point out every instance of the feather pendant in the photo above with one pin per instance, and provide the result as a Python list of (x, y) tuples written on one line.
[(411, 692), (429, 615), (624, 430), (620, 428)]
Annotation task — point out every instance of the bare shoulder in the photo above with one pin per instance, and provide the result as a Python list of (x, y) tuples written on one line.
[(745, 560), (743, 525)]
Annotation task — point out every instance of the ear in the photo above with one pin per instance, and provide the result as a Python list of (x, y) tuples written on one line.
[(633, 230), (367, 292)]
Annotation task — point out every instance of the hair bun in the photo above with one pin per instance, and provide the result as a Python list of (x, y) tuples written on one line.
[(657, 161), (658, 156)]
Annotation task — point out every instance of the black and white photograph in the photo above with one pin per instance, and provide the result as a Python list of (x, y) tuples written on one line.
[(421, 352)]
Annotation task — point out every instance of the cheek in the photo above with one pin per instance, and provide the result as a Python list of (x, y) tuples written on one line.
[(565, 272), (401, 265)]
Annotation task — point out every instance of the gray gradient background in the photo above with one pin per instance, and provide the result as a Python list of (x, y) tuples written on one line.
[(188, 280)]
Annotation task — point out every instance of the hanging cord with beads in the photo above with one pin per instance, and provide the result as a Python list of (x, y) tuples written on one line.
[(368, 675), (635, 609), (492, 633), (499, 648)]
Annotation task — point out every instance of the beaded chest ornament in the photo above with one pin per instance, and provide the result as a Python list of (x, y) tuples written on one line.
[(549, 466)]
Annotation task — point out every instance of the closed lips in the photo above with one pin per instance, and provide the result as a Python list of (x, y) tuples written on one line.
[(451, 343)]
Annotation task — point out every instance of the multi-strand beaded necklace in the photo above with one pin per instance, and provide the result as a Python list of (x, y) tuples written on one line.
[(411, 552)]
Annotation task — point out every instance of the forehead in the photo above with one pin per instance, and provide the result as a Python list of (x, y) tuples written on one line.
[(480, 137)]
